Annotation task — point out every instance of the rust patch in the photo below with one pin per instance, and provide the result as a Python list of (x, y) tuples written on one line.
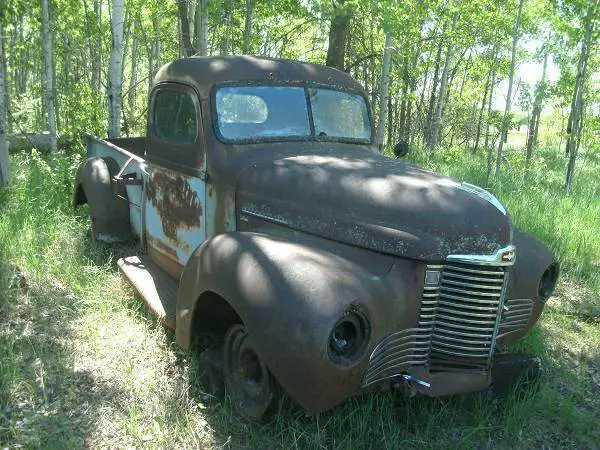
[(177, 203)]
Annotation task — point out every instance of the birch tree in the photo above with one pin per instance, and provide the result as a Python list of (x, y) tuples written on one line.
[(511, 76), (154, 49), (48, 74), (437, 117), (574, 126), (184, 24), (202, 26), (115, 75), (248, 27), (384, 90), (4, 170), (534, 122)]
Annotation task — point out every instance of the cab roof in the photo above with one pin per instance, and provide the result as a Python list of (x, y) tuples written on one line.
[(203, 72)]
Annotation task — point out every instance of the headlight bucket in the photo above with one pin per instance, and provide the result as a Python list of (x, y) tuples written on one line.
[(548, 282), (348, 338)]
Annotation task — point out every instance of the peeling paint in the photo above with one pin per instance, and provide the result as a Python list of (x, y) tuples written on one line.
[(177, 203)]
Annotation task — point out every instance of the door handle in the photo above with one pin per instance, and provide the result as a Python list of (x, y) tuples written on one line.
[(129, 179)]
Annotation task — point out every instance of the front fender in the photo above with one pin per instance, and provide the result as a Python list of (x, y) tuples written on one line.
[(290, 289), (533, 258)]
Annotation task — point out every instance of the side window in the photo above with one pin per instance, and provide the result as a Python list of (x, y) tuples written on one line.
[(175, 117)]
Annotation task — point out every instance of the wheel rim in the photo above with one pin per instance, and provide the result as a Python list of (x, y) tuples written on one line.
[(247, 378)]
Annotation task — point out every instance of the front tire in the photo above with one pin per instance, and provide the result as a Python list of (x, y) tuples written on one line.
[(248, 380)]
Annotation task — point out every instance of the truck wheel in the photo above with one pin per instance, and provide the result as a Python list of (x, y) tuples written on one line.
[(247, 379), (211, 374)]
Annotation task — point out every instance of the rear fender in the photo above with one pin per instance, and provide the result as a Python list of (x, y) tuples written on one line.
[(108, 212)]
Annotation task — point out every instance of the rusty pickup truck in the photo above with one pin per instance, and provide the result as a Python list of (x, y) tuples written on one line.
[(268, 220)]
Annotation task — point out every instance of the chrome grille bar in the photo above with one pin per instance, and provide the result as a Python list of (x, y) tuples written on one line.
[(516, 316)]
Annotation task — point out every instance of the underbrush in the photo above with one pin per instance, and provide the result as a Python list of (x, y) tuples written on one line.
[(536, 201), (82, 363)]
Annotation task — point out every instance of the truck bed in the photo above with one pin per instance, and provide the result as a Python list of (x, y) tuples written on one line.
[(135, 145)]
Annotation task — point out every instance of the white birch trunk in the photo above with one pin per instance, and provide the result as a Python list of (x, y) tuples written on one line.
[(248, 28), (202, 27), (437, 117), (511, 76), (133, 78), (48, 74), (154, 56), (115, 75), (191, 21), (95, 52), (228, 29), (576, 113), (4, 172), (384, 91)]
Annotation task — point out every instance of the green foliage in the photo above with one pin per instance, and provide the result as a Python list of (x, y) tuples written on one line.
[(536, 203)]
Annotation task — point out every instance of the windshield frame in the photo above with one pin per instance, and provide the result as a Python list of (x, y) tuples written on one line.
[(306, 85)]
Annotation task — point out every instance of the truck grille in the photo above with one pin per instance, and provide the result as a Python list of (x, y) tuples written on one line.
[(516, 315), (458, 324), (466, 318)]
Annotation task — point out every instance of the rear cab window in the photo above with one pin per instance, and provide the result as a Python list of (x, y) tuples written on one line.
[(175, 135), (175, 117)]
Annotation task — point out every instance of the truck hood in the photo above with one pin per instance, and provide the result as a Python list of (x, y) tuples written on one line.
[(373, 202)]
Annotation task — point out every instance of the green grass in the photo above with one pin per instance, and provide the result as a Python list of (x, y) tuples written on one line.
[(82, 363)]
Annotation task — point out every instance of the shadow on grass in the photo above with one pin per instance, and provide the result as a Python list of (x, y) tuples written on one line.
[(46, 402)]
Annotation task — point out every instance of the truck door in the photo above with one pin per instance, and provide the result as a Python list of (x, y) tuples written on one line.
[(175, 190)]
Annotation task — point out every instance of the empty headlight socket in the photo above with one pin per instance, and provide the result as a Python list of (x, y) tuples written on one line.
[(349, 337), (548, 282)]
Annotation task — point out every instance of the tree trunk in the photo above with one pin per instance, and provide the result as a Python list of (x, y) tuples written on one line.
[(436, 128), (48, 73), (384, 91), (575, 115), (433, 97), (511, 76), (21, 73), (202, 27), (4, 169), (338, 35), (481, 110), (95, 50), (133, 78), (532, 131), (390, 120), (184, 24), (248, 27), (404, 105), (488, 147), (115, 75), (154, 54), (228, 27)]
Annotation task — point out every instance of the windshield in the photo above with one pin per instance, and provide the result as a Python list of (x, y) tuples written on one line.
[(257, 113)]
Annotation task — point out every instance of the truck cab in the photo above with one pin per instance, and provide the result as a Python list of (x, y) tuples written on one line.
[(267, 218)]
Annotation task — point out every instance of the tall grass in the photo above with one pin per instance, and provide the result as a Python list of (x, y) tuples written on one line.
[(83, 364), (537, 204)]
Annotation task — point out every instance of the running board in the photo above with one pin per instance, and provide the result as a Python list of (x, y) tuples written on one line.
[(155, 286)]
